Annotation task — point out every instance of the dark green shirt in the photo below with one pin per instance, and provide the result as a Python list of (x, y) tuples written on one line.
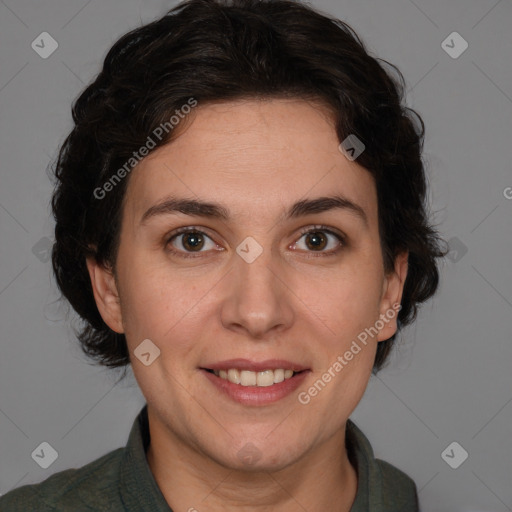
[(121, 480)]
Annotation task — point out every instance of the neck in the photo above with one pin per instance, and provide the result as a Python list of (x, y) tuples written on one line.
[(191, 481)]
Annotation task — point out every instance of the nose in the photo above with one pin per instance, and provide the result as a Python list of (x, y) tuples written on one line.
[(257, 301)]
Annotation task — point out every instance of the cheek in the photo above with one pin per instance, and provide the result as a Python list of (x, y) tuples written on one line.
[(161, 305), (345, 299), (172, 304)]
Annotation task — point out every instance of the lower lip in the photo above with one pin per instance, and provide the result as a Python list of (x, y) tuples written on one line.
[(257, 395)]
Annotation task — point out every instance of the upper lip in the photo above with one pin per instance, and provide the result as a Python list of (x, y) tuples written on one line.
[(256, 366)]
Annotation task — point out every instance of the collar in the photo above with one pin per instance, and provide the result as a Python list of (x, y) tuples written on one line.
[(137, 485), (139, 490)]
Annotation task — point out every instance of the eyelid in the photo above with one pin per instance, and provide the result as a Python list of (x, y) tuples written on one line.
[(310, 229), (327, 229), (187, 229), (342, 239)]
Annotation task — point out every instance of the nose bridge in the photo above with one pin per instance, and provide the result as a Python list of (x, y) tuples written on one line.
[(256, 300)]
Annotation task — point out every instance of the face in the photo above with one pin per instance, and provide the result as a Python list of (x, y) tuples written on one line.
[(265, 286)]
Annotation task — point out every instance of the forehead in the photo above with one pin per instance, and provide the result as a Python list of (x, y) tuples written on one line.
[(255, 156)]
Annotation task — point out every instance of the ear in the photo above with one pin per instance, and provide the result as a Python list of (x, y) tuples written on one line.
[(392, 290), (105, 294)]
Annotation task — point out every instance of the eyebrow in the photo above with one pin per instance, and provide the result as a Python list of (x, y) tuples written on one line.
[(194, 207)]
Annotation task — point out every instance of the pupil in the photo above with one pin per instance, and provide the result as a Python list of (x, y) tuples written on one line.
[(193, 240), (317, 239)]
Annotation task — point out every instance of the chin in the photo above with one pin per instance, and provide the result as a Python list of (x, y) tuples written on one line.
[(260, 454)]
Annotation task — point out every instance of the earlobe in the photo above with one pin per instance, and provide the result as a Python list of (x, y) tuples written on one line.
[(392, 296), (105, 294)]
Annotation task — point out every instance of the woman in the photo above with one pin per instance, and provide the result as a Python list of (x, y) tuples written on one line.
[(240, 215)]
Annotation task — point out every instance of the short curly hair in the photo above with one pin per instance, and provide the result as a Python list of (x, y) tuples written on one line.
[(222, 50)]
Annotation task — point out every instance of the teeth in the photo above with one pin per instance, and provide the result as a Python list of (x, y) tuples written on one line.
[(233, 376), (278, 376), (265, 378), (248, 378)]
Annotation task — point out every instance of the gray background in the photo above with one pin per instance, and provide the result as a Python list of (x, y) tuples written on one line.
[(450, 378)]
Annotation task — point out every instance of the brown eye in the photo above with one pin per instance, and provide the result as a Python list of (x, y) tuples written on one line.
[(316, 240), (192, 241), (187, 241)]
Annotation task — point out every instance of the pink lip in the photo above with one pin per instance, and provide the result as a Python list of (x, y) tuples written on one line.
[(253, 366), (255, 395)]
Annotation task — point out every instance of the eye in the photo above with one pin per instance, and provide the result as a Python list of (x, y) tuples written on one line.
[(316, 239), (189, 240), (186, 241)]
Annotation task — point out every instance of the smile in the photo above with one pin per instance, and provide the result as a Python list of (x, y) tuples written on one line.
[(249, 378), (255, 388)]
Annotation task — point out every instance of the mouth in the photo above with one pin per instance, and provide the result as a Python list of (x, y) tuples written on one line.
[(247, 378), (255, 383)]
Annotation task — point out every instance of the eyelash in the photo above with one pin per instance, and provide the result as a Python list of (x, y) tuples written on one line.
[(314, 229)]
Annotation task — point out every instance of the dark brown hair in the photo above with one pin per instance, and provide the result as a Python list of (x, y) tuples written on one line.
[(221, 50)]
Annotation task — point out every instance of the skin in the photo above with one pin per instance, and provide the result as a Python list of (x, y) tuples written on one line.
[(255, 158)]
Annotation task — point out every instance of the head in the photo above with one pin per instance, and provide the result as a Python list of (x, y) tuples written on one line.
[(235, 110)]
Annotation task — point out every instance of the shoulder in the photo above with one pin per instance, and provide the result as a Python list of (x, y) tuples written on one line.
[(398, 489), (381, 485), (91, 487)]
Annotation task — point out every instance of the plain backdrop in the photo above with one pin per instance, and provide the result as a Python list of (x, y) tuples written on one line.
[(449, 379)]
